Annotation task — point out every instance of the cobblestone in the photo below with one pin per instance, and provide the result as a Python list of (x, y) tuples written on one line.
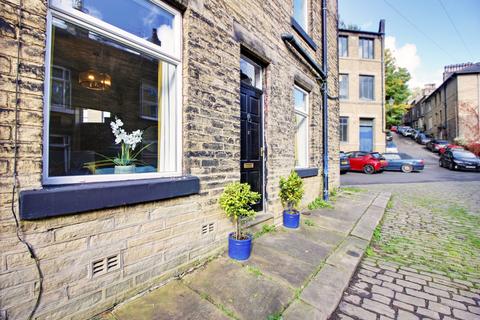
[(426, 263)]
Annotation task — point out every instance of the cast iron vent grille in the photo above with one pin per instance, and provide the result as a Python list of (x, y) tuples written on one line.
[(105, 265), (208, 228)]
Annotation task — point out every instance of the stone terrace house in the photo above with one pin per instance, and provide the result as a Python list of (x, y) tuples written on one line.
[(222, 91), (362, 94), (453, 109)]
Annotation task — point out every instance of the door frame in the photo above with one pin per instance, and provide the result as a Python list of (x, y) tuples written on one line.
[(263, 149)]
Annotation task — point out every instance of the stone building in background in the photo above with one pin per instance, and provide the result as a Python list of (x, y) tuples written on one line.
[(415, 116), (453, 109), (361, 89), (218, 95)]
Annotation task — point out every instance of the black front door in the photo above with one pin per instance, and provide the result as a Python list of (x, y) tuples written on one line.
[(251, 140)]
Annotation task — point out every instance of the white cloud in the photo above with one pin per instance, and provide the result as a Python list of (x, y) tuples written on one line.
[(407, 57)]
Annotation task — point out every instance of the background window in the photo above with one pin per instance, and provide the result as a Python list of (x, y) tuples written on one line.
[(343, 129), (343, 46), (300, 13), (109, 81), (366, 87), (301, 127), (366, 48), (343, 84)]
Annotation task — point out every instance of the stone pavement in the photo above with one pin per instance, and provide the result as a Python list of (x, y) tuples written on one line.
[(424, 261), (292, 274)]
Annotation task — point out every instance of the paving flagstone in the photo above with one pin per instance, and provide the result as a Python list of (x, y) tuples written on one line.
[(299, 274)]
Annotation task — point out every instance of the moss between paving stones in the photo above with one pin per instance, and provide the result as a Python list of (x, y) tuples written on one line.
[(446, 238)]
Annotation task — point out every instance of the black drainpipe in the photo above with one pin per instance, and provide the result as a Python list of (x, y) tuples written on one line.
[(324, 88)]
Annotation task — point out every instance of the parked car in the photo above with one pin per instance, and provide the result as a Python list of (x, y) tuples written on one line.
[(368, 162), (389, 136), (391, 147), (403, 162), (423, 138), (435, 144), (459, 160), (393, 128), (449, 147), (415, 134), (344, 163), (408, 132), (401, 129)]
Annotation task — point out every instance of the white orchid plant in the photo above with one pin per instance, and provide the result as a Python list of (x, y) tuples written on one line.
[(128, 143)]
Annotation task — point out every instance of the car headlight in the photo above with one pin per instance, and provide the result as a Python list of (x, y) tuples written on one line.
[(458, 161)]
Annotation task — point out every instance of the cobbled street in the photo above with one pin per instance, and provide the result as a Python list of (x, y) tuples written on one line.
[(424, 259)]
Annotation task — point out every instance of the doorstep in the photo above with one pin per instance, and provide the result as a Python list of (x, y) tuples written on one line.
[(299, 274)]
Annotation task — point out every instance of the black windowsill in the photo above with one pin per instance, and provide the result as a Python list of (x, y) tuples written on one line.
[(307, 172), (55, 201), (303, 34)]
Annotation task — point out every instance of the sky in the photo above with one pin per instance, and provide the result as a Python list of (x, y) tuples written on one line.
[(421, 33)]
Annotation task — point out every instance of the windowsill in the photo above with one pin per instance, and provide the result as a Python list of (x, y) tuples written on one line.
[(303, 34), (55, 201), (307, 172)]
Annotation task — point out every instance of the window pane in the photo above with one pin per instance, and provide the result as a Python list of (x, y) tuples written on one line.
[(343, 82), (300, 100), (108, 80), (139, 17), (300, 13), (366, 48), (343, 46), (343, 129), (250, 73), (366, 87), (301, 141)]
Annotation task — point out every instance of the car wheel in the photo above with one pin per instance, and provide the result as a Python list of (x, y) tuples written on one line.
[(407, 168), (440, 163), (450, 166), (369, 169), (343, 172)]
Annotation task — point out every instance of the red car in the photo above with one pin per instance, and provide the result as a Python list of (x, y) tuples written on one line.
[(393, 128), (368, 162), (442, 150)]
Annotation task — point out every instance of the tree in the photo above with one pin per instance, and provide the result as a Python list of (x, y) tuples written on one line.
[(396, 90), (353, 27)]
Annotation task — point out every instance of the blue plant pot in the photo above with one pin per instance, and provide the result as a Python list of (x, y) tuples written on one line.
[(239, 249), (291, 219)]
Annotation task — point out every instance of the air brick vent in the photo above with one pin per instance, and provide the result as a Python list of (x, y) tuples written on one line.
[(208, 228), (105, 265)]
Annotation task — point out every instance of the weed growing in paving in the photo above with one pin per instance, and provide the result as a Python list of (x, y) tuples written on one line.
[(255, 271), (351, 190), (276, 316), (309, 223), (319, 203), (266, 228)]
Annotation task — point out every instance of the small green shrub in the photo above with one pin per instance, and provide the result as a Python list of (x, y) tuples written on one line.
[(351, 190), (309, 223), (291, 191), (319, 203), (236, 201), (266, 228)]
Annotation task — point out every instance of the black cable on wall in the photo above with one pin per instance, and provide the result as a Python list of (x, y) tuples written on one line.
[(15, 166)]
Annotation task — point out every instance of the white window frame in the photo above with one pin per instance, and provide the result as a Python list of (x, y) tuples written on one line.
[(304, 114), (361, 48), (360, 87), (63, 10)]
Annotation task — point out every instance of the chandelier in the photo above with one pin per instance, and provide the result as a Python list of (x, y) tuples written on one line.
[(94, 80)]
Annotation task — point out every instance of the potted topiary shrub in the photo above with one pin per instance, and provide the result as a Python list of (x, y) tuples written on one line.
[(291, 193), (236, 200)]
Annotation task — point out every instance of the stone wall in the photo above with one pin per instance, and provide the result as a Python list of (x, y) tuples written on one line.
[(154, 241)]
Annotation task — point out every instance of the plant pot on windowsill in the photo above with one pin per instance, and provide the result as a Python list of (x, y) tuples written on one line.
[(124, 169), (291, 219)]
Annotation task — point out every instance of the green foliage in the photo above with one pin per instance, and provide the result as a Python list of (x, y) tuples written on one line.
[(396, 89), (236, 201), (276, 316), (350, 190), (309, 223), (319, 203), (254, 270), (377, 234), (343, 25), (291, 190), (266, 228)]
